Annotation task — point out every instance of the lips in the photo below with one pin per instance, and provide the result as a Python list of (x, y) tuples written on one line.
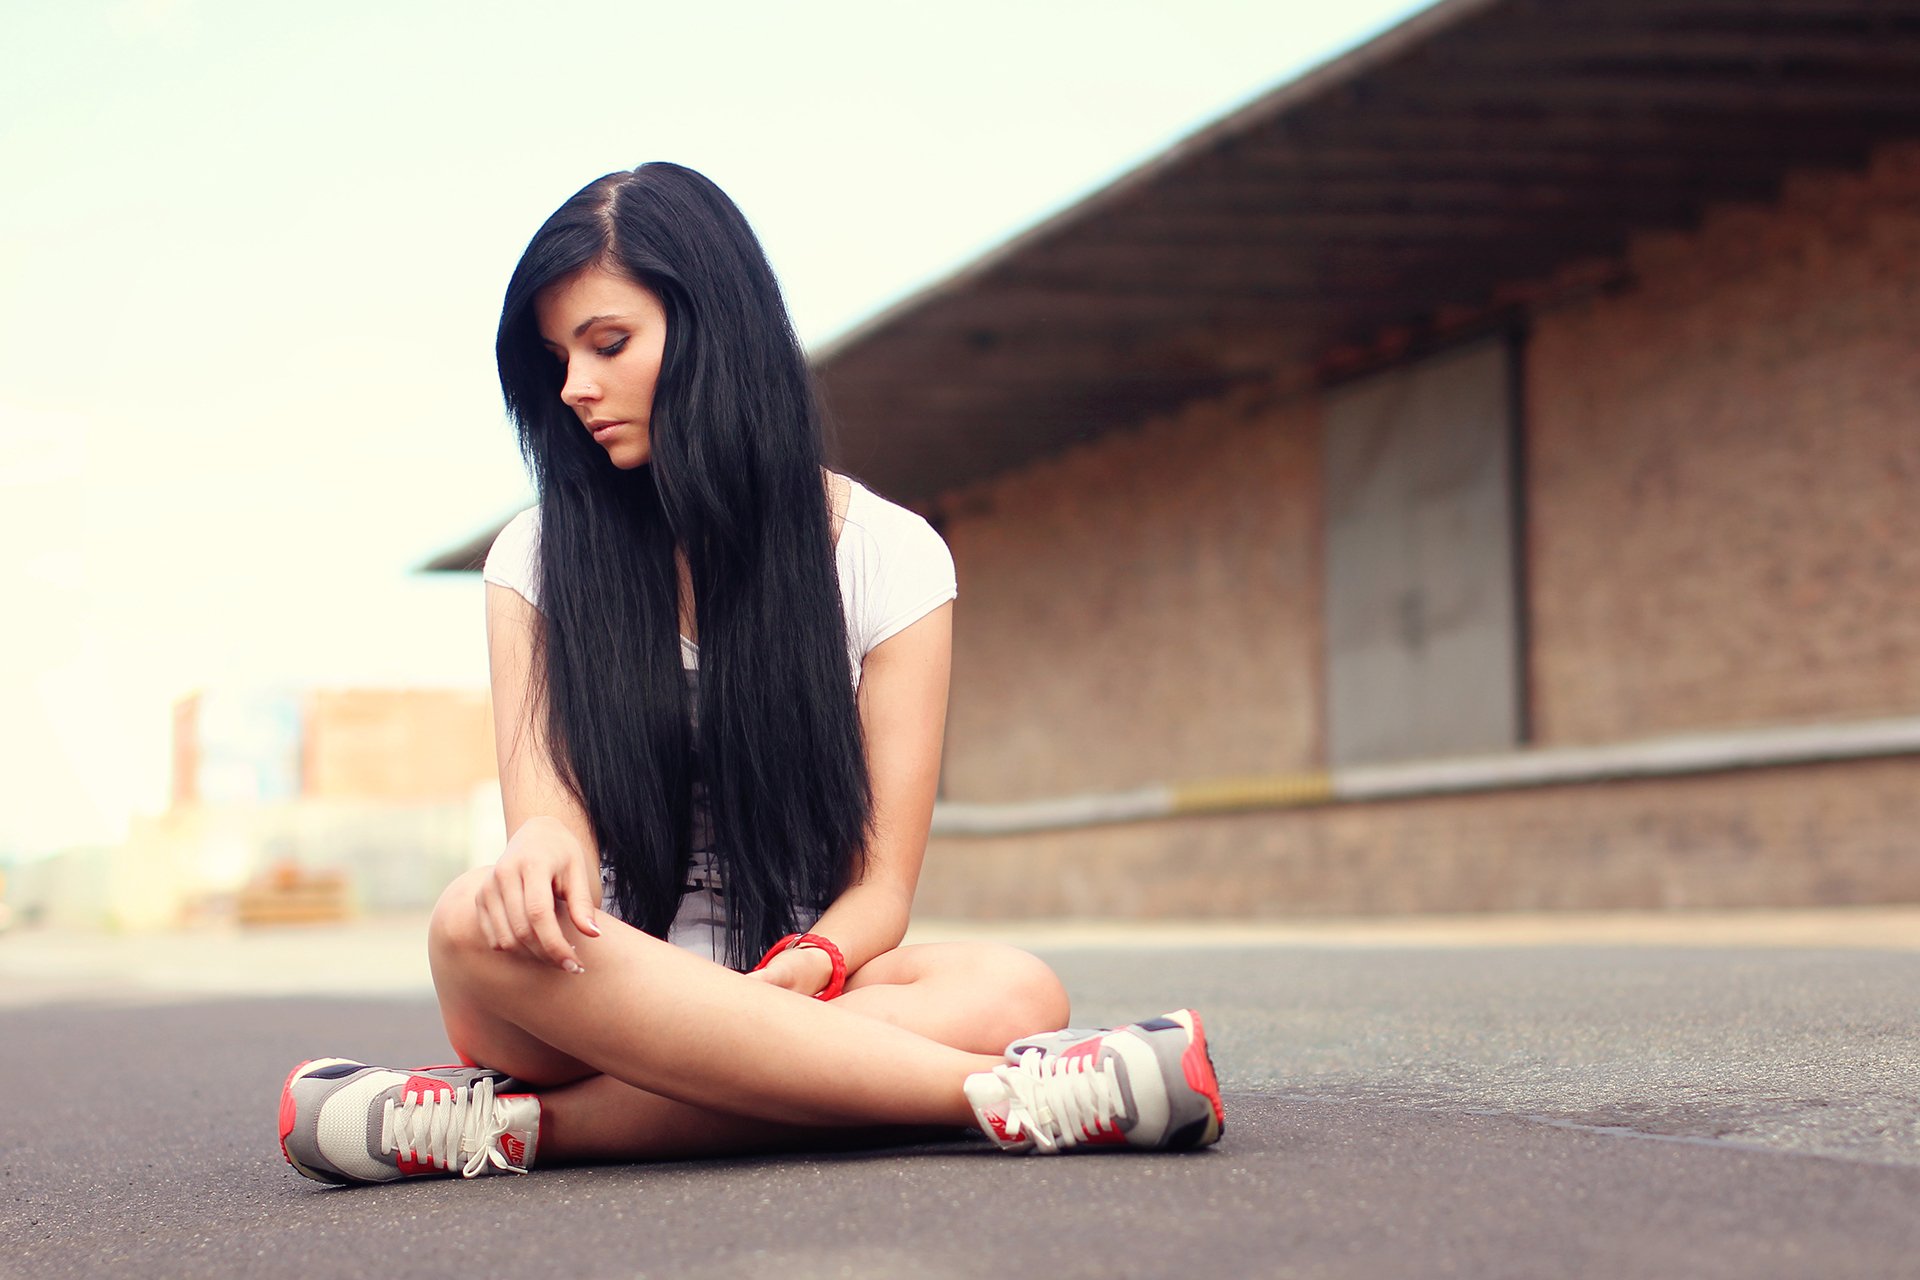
[(600, 429)]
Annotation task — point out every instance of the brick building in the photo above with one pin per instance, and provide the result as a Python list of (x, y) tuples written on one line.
[(1482, 474), (388, 793), (253, 746)]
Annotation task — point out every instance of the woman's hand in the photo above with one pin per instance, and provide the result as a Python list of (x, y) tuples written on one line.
[(803, 969), (519, 903)]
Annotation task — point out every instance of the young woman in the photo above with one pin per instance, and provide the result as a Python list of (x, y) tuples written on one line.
[(719, 686)]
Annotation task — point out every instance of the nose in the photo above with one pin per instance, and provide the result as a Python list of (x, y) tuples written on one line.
[(577, 391)]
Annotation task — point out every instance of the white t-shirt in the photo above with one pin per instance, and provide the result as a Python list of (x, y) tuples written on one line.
[(894, 570)]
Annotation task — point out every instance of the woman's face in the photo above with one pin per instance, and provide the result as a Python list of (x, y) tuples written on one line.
[(609, 333)]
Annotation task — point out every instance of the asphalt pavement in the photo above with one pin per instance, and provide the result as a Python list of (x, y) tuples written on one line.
[(1505, 1099)]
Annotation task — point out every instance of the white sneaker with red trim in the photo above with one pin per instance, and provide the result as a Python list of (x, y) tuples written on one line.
[(1147, 1085), (343, 1121)]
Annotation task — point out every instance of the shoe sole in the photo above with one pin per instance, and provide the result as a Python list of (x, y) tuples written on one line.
[(289, 1117)]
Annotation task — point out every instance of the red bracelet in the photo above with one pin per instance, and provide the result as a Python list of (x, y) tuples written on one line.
[(836, 984)]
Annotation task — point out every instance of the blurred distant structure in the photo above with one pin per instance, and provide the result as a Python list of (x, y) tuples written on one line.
[(1481, 474), (295, 805)]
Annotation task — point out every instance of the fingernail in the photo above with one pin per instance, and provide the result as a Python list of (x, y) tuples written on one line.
[(573, 966)]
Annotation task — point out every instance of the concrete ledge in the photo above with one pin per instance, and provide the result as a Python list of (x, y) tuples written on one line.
[(1667, 757), (1842, 928), (1809, 835)]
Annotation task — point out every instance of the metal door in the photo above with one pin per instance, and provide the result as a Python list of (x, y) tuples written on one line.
[(1421, 596)]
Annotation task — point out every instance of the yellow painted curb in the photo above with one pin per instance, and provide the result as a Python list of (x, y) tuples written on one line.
[(1278, 791)]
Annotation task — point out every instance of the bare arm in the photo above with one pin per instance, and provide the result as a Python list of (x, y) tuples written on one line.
[(903, 714), (551, 855)]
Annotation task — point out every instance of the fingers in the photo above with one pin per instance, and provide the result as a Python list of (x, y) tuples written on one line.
[(529, 908), (513, 919), (519, 910), (542, 938), (493, 914), (580, 900), (513, 911)]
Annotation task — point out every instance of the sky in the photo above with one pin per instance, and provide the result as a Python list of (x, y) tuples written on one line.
[(251, 257)]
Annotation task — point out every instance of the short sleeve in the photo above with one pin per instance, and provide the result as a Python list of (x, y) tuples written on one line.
[(514, 561), (914, 576)]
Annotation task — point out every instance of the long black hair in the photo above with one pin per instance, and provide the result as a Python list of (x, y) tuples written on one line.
[(734, 480)]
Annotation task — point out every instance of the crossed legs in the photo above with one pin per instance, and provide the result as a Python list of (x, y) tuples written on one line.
[(655, 1052)]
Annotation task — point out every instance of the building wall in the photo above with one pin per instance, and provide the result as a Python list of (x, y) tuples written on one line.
[(1723, 530), (1810, 835), (1725, 473), (405, 745), (1142, 608)]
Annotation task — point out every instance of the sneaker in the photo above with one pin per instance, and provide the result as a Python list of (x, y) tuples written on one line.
[(343, 1121), (1148, 1085), (1053, 1041)]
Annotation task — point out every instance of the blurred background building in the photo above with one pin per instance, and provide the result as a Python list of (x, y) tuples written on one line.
[(292, 805), (1481, 474)]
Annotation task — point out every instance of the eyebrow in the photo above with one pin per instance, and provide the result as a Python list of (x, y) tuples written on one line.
[(582, 327)]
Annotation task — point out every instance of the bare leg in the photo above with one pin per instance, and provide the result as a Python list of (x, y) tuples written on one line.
[(601, 1118), (669, 1023), (963, 994), (975, 996)]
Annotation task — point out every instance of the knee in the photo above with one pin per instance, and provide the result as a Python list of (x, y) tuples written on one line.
[(454, 929), (1030, 995)]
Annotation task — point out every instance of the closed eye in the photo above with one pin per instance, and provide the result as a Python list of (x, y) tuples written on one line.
[(613, 349)]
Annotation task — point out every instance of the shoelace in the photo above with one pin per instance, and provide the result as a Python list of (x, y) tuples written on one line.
[(441, 1126), (1057, 1101)]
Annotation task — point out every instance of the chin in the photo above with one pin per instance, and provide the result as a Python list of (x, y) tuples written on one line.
[(629, 459)]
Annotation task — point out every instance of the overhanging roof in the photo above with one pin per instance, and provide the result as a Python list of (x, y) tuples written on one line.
[(1435, 171), (1479, 145)]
